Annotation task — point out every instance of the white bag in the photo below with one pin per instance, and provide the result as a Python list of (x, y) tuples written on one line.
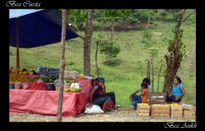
[(93, 110)]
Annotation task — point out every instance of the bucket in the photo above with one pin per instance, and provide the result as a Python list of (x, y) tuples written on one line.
[(50, 86), (11, 86)]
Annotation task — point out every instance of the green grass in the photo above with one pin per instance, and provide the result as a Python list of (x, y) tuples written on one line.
[(125, 73)]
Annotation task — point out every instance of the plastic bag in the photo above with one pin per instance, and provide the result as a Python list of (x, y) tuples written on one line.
[(25, 85), (95, 109)]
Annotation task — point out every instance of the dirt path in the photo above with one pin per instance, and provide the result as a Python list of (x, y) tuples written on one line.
[(118, 115)]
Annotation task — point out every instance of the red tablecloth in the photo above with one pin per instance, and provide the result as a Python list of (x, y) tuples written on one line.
[(46, 102)]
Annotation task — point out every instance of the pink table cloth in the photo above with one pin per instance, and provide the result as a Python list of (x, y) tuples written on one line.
[(46, 102)]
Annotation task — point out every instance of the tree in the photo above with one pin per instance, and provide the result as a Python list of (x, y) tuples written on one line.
[(79, 17), (114, 16), (110, 49), (175, 12), (62, 66), (175, 56), (148, 69), (87, 41)]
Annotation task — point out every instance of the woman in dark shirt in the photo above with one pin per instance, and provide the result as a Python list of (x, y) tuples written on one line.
[(98, 94)]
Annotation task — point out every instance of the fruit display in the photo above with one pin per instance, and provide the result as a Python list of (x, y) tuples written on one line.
[(15, 77), (176, 110), (69, 81), (22, 71), (36, 85), (72, 89), (44, 71), (50, 79), (143, 109), (160, 110)]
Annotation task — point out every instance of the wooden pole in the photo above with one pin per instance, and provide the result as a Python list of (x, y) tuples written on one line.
[(62, 66), (17, 46), (96, 61)]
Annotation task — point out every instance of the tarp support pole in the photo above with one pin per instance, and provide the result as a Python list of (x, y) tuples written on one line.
[(17, 46)]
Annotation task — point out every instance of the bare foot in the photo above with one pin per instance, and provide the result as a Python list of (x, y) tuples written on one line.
[(104, 106)]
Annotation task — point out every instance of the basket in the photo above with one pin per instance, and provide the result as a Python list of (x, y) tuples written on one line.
[(143, 109), (17, 85), (50, 86), (156, 98), (176, 110), (160, 110), (189, 112), (11, 86)]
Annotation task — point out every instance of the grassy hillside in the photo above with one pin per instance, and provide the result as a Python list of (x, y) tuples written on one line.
[(126, 72)]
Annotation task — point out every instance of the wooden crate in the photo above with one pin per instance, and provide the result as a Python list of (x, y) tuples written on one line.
[(143, 109), (156, 98), (176, 110), (160, 110), (189, 112)]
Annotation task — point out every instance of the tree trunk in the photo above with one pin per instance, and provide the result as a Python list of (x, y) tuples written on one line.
[(62, 66), (87, 42), (173, 60), (158, 77), (152, 75), (148, 69), (96, 61)]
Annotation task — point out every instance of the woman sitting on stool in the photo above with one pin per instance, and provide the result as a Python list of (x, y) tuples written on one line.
[(177, 91)]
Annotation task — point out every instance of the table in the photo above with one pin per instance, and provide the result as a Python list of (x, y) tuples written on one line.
[(46, 102)]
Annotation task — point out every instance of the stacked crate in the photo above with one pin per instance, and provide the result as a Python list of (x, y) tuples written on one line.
[(160, 110), (189, 112), (143, 109), (176, 110), (156, 98)]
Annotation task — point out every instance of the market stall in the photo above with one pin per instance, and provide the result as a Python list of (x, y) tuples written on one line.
[(45, 102)]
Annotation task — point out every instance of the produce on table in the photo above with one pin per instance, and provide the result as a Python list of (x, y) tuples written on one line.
[(73, 89), (36, 85), (22, 71), (15, 77), (50, 79), (69, 81), (44, 71)]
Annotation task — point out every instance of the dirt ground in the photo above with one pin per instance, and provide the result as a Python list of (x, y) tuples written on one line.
[(117, 115)]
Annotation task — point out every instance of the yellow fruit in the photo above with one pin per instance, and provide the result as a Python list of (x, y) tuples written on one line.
[(65, 89)]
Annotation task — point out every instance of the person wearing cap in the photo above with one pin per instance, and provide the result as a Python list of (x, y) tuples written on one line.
[(98, 95)]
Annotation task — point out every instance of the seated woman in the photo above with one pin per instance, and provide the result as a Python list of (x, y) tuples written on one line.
[(93, 83), (98, 95), (177, 91)]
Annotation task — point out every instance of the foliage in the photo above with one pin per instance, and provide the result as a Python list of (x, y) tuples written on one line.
[(109, 48), (77, 17)]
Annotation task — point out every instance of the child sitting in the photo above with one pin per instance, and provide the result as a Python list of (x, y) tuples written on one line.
[(142, 98)]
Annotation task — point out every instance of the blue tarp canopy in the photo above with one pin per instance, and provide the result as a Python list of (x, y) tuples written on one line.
[(36, 27)]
